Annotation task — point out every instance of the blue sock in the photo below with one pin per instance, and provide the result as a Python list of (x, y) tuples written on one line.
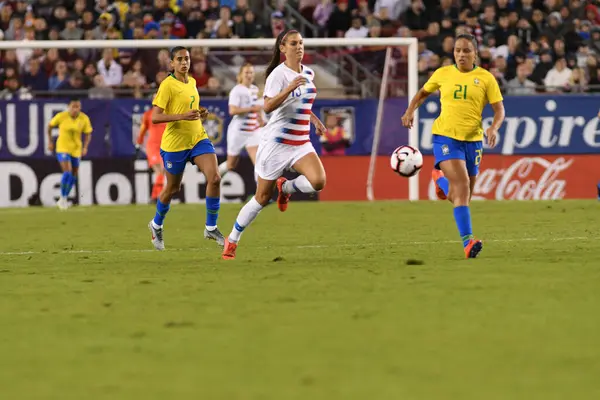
[(71, 184), (443, 184), (212, 210), (161, 212), (64, 183), (462, 216)]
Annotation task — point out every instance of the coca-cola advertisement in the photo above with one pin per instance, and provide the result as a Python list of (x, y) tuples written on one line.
[(536, 177)]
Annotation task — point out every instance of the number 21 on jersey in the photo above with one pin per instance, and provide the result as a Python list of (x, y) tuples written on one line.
[(461, 92)]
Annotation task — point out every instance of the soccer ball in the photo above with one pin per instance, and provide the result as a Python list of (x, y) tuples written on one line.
[(407, 161)]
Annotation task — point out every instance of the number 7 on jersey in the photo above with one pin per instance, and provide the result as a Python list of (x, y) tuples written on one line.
[(192, 102)]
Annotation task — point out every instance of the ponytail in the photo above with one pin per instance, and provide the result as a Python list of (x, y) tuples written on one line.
[(276, 60)]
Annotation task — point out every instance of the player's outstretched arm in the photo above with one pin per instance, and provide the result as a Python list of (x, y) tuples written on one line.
[(408, 117), (159, 116), (492, 132)]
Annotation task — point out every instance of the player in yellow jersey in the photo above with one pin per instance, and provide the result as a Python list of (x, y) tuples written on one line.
[(465, 89), (184, 140), (71, 124)]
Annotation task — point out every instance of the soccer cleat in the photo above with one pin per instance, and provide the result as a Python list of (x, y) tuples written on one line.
[(215, 235), (435, 175), (473, 248), (282, 198), (62, 203), (157, 237), (229, 250)]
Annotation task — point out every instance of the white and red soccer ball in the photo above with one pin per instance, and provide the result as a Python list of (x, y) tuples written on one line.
[(406, 161)]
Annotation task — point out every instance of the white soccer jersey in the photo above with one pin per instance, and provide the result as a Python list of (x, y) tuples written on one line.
[(244, 97), (290, 122)]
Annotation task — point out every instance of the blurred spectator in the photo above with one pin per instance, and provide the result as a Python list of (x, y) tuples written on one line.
[(339, 20), (201, 73), (73, 84), (110, 70), (558, 77), (13, 91), (23, 55), (100, 90), (60, 75), (357, 30), (520, 85), (278, 22), (253, 28), (71, 31), (36, 79), (577, 82), (322, 13), (415, 18)]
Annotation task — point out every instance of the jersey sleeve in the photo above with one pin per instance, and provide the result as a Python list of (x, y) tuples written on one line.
[(493, 93), (87, 126), (274, 84), (163, 96), (434, 82), (235, 97), (56, 120)]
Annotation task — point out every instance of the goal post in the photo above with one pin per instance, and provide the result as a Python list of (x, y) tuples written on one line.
[(391, 42)]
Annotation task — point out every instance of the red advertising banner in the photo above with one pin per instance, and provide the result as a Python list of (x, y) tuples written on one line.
[(548, 177)]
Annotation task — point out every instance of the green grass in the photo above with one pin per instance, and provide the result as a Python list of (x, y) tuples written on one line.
[(88, 311)]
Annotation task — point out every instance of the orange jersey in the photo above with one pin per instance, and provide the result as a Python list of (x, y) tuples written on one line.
[(155, 132)]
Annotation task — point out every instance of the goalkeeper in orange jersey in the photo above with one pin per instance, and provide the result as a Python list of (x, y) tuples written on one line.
[(155, 132)]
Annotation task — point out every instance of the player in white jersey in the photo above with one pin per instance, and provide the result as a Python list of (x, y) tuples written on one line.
[(285, 140), (243, 130)]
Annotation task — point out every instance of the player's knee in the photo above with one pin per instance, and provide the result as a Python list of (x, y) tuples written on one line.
[(262, 198), (318, 183), (214, 179)]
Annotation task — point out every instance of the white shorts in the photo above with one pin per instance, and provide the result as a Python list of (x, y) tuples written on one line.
[(237, 141), (273, 158)]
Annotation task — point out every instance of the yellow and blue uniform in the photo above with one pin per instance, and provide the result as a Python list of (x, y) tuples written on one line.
[(182, 141), (68, 144), (458, 132)]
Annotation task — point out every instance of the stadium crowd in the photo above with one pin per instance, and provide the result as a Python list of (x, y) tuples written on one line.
[(529, 45)]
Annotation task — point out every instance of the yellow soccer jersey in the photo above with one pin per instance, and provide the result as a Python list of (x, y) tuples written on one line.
[(463, 96), (69, 132), (176, 97)]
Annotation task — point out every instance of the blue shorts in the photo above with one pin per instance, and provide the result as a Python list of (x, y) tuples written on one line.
[(446, 148), (174, 161), (67, 157)]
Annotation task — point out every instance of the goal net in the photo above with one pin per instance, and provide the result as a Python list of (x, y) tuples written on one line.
[(364, 86)]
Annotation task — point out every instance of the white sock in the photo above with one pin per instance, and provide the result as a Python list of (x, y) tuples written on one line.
[(300, 184), (247, 214), (223, 168), (156, 226)]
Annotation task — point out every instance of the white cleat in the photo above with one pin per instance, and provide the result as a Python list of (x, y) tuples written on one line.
[(157, 237), (62, 204), (215, 235)]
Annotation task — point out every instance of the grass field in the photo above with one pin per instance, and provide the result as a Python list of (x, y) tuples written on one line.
[(320, 304)]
